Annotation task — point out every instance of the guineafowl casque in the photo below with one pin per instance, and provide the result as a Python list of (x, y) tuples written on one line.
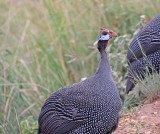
[(89, 107), (144, 53)]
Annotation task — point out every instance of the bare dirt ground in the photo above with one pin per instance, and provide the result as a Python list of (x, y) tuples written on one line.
[(145, 120)]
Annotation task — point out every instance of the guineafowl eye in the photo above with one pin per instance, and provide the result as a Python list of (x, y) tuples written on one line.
[(104, 33)]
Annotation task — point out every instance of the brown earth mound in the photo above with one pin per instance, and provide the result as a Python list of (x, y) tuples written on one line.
[(146, 120)]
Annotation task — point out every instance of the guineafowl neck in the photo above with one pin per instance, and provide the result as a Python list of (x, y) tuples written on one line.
[(104, 67)]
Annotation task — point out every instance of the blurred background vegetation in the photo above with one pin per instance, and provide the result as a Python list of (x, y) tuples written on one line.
[(45, 45)]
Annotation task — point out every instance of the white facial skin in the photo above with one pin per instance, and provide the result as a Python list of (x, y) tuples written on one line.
[(108, 34), (104, 37)]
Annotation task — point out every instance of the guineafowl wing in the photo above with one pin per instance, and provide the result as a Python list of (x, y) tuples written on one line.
[(147, 41), (143, 44), (59, 117), (64, 126)]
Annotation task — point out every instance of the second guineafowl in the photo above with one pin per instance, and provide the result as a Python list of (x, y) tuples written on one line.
[(144, 53), (89, 107)]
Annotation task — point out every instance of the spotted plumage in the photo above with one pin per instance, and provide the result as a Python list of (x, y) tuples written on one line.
[(144, 52), (89, 107)]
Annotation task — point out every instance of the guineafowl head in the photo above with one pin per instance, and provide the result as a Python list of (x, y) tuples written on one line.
[(103, 38)]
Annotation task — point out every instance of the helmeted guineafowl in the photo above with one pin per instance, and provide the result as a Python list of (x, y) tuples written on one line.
[(89, 107), (144, 53)]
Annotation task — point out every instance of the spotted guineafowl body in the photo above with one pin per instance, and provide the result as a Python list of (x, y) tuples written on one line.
[(89, 107), (145, 45), (149, 64), (148, 40)]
